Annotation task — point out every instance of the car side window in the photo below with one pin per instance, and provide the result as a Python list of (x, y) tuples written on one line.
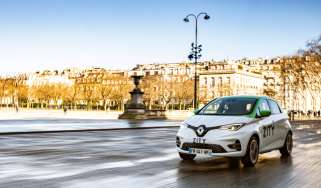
[(264, 106), (275, 109)]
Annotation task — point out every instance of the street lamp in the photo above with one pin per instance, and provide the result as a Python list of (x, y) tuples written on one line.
[(196, 50)]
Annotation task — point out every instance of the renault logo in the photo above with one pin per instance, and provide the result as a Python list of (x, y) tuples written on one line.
[(201, 130)]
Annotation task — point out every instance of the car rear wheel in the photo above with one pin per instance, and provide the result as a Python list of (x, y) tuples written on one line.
[(252, 152), (187, 157), (286, 150)]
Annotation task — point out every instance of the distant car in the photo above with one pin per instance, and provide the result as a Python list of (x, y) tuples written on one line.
[(236, 126)]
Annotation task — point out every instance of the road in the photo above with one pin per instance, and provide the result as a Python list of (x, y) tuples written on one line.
[(147, 158)]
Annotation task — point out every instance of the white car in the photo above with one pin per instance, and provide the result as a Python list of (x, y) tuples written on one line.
[(236, 126)]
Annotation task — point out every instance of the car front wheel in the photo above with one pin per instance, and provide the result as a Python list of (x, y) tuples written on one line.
[(187, 157), (286, 150), (252, 152)]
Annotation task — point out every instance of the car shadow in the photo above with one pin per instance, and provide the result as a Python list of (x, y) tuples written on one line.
[(223, 164), (270, 171)]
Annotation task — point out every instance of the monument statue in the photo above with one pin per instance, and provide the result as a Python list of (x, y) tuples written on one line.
[(135, 108)]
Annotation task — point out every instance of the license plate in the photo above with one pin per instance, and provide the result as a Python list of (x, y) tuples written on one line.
[(200, 151)]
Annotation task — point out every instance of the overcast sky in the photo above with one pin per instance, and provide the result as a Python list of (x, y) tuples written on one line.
[(55, 34)]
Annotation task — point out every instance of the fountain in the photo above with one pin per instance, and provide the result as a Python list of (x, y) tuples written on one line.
[(135, 108)]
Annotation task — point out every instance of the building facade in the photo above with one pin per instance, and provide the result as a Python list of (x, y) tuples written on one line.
[(214, 79), (228, 78), (295, 82)]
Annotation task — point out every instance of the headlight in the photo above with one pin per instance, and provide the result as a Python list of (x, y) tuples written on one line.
[(232, 127)]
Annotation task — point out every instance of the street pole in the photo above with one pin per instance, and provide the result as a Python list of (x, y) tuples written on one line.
[(195, 101), (196, 51)]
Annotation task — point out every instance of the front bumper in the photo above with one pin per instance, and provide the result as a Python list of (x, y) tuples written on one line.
[(221, 138), (227, 154)]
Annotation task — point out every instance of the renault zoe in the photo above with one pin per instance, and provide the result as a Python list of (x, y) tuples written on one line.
[(236, 126)]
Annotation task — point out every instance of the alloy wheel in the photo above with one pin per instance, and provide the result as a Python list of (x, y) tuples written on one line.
[(254, 151), (289, 143)]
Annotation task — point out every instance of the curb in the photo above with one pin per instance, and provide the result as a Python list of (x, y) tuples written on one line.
[(84, 130)]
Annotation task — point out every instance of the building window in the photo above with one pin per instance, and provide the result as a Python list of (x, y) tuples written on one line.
[(188, 70)]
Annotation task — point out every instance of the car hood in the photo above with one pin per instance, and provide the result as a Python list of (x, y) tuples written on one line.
[(216, 120)]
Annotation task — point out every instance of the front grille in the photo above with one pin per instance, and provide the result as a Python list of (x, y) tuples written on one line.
[(214, 147)]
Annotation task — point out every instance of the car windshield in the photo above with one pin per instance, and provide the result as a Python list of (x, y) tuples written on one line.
[(229, 106)]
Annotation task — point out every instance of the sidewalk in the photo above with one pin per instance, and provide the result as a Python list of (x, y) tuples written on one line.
[(11, 114), (28, 114), (42, 121), (72, 125)]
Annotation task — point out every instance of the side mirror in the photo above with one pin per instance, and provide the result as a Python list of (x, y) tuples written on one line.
[(265, 113)]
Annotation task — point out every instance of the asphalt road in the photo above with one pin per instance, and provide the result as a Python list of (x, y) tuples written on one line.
[(147, 158)]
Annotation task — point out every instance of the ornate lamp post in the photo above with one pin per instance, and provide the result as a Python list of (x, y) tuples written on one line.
[(196, 50)]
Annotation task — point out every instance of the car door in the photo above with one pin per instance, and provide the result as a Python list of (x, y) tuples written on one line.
[(278, 120), (265, 128)]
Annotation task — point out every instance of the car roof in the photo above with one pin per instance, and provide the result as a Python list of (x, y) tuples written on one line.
[(246, 97)]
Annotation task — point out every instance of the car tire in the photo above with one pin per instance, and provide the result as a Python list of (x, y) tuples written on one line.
[(286, 150), (187, 157), (252, 152)]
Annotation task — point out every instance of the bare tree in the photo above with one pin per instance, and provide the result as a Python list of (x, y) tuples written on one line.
[(150, 86), (167, 90), (120, 92), (72, 95), (301, 73), (105, 89), (42, 94), (3, 88), (21, 90), (184, 91), (88, 92)]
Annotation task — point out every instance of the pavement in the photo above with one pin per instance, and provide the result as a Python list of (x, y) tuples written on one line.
[(56, 125), (45, 114), (45, 121), (25, 113), (23, 126), (147, 158)]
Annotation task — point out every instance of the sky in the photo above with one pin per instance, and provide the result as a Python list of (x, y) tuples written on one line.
[(57, 34)]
